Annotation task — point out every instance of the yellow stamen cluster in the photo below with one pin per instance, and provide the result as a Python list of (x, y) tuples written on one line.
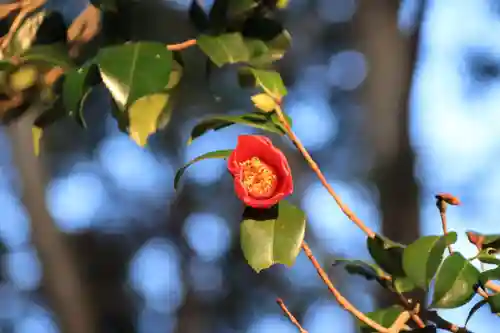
[(258, 178)]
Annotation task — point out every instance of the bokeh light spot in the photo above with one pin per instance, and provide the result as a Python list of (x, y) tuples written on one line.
[(135, 170), (37, 320), (15, 229), (323, 314), (326, 219), (155, 274), (336, 11), (75, 201), (313, 113), (23, 269), (347, 70), (271, 324), (207, 234)]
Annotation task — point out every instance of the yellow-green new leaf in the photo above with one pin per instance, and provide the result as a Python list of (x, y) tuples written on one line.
[(224, 49), (143, 116), (37, 135), (264, 102)]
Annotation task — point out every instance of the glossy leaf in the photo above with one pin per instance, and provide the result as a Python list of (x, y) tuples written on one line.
[(491, 274), (488, 256), (37, 135), (135, 70), (422, 258), (143, 116), (272, 236), (404, 284), (215, 123), (213, 154), (385, 317), (359, 267), (224, 49), (264, 53), (269, 81), (494, 303), (474, 309), (387, 254), (55, 55), (175, 75), (76, 86), (455, 282)]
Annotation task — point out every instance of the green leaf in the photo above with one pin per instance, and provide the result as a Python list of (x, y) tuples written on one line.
[(385, 317), (403, 284), (260, 121), (144, 114), (197, 16), (77, 84), (422, 258), (491, 274), (488, 256), (359, 267), (37, 135), (265, 53), (272, 236), (455, 282), (387, 254), (55, 55), (494, 303), (135, 70), (224, 49), (269, 81), (175, 75), (276, 120), (213, 154)]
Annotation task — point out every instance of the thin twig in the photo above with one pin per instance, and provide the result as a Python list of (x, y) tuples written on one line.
[(26, 8), (413, 311), (181, 46), (345, 209), (290, 315), (338, 296), (6, 9)]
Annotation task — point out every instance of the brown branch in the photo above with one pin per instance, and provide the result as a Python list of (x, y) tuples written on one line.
[(181, 46), (6, 9), (27, 8), (442, 201), (290, 315), (413, 311), (345, 209), (338, 296)]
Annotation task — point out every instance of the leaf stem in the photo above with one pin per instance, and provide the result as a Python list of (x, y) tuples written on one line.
[(290, 315), (181, 46), (338, 296), (345, 209)]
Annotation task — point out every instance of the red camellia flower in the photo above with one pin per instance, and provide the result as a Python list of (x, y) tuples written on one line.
[(261, 173)]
